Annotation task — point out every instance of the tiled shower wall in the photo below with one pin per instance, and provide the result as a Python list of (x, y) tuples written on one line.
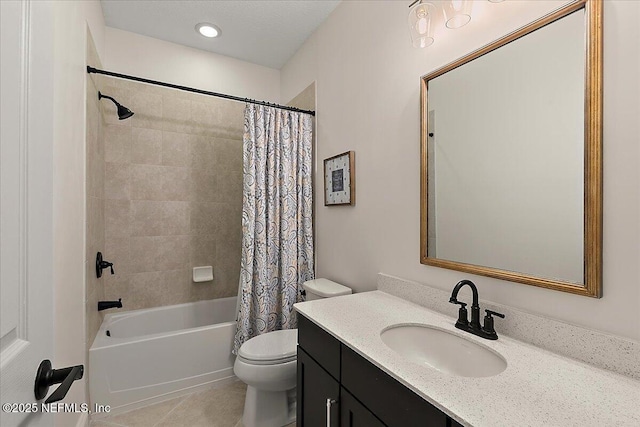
[(173, 195)]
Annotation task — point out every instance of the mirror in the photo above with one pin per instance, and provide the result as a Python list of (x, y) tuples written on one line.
[(511, 156)]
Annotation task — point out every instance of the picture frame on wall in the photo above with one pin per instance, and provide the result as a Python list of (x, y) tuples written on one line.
[(340, 179)]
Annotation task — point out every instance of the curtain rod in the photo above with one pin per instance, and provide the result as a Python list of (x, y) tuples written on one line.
[(200, 91)]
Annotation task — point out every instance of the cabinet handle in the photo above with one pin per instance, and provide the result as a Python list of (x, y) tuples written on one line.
[(329, 403)]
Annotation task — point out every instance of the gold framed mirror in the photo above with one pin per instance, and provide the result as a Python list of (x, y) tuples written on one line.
[(511, 156)]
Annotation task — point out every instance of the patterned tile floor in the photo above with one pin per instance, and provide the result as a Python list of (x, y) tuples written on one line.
[(218, 407)]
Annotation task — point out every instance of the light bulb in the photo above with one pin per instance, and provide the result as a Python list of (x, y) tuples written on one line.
[(421, 26), (207, 30)]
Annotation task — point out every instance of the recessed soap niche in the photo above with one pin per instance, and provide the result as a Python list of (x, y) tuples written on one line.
[(203, 274)]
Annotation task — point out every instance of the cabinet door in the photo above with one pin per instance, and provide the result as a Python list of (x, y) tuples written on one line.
[(354, 414), (315, 386), (390, 401)]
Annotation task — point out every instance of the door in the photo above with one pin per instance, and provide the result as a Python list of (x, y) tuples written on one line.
[(354, 413), (318, 394), (26, 144)]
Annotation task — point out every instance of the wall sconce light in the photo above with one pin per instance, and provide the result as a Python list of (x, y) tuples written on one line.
[(421, 17), (424, 14), (457, 13)]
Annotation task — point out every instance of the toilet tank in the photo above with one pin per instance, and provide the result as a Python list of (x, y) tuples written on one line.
[(324, 288)]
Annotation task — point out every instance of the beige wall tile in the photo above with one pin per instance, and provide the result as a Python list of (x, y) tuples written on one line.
[(146, 146), (176, 183), (177, 284), (229, 185), (176, 114), (95, 165), (204, 118), (204, 186), (117, 144), (118, 286), (205, 216), (146, 182), (154, 218), (147, 108), (117, 218), (116, 181), (230, 122), (202, 153), (148, 290), (95, 226), (203, 291), (228, 153), (229, 223), (203, 250), (227, 266), (159, 253), (176, 149), (118, 251), (150, 182)]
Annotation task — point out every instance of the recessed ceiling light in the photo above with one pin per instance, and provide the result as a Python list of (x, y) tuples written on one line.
[(208, 30)]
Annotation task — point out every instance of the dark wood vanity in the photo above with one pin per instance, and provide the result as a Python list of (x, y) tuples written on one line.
[(336, 382)]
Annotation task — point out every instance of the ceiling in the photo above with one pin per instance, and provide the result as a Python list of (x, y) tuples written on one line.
[(265, 32)]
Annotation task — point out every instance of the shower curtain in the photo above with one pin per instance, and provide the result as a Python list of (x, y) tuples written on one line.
[(277, 234)]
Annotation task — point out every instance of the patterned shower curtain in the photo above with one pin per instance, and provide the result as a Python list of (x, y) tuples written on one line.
[(277, 234)]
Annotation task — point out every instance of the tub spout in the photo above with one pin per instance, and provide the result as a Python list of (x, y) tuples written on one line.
[(103, 305)]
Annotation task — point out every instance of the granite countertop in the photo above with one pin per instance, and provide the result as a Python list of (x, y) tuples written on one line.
[(538, 388)]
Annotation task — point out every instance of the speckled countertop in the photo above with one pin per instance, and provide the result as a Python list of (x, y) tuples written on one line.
[(538, 388)]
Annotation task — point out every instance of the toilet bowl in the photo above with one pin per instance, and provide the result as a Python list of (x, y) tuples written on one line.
[(267, 364)]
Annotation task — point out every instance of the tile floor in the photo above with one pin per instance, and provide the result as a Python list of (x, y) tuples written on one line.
[(217, 407)]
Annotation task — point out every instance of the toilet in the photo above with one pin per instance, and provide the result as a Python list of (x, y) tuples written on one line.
[(267, 364)]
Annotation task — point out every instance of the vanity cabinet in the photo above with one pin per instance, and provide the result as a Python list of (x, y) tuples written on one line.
[(314, 387), (362, 395)]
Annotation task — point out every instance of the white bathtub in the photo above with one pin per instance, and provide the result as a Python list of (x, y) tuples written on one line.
[(160, 353)]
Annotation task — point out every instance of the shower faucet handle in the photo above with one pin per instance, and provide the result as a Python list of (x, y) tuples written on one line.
[(101, 264)]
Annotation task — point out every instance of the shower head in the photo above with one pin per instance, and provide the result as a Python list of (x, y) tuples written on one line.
[(123, 112)]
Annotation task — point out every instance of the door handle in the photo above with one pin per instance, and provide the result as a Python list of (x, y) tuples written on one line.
[(46, 377), (329, 403)]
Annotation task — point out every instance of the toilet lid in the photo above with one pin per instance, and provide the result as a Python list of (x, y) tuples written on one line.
[(272, 346)]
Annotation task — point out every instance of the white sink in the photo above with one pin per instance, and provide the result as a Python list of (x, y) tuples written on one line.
[(443, 350)]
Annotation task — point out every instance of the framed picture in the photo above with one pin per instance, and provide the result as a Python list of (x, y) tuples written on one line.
[(340, 179)]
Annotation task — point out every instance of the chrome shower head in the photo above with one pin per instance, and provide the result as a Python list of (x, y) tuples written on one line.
[(123, 112)]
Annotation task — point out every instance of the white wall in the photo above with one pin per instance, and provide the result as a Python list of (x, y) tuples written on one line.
[(137, 55), (71, 19), (367, 78), (509, 143)]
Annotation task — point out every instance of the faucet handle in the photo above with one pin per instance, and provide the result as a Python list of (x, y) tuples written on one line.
[(495, 313), (462, 313), (488, 322)]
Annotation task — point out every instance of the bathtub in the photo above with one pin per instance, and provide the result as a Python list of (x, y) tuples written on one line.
[(145, 356)]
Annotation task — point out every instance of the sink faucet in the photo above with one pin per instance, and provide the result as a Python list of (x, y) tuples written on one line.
[(487, 331)]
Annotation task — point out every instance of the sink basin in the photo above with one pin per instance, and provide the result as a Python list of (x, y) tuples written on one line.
[(443, 350)]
